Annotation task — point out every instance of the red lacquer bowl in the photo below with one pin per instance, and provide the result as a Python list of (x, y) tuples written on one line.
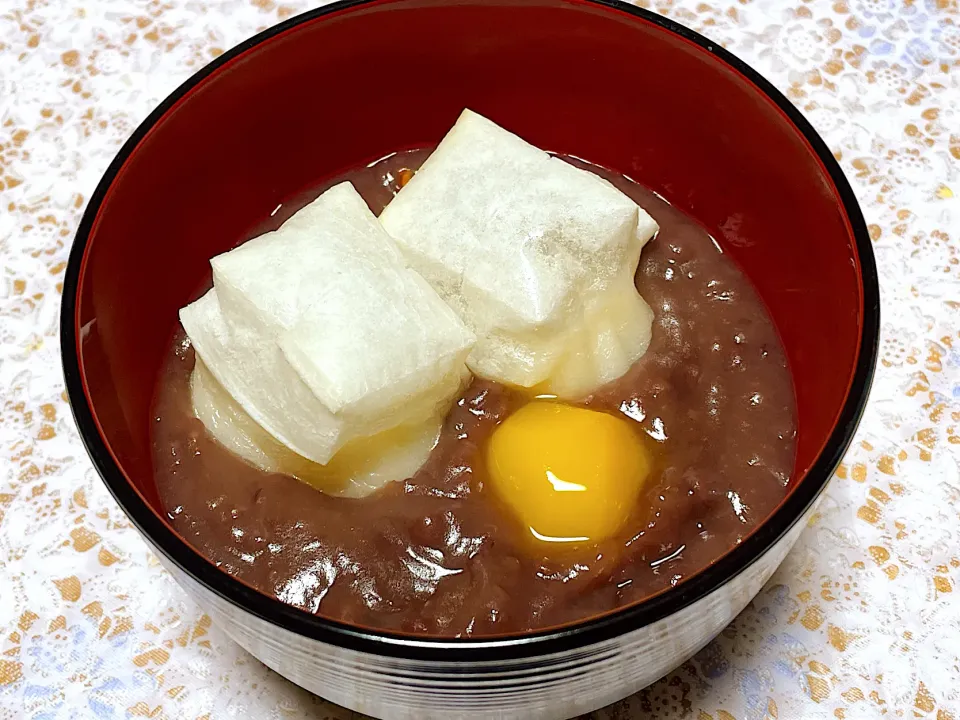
[(339, 86)]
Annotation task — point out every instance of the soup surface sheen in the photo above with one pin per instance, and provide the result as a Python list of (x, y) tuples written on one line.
[(437, 554)]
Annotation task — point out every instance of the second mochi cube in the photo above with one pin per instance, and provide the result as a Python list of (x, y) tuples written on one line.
[(536, 256)]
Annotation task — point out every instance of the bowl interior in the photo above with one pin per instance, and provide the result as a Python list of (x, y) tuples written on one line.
[(342, 89)]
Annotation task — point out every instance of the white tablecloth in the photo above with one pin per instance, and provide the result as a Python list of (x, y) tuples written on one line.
[(863, 620)]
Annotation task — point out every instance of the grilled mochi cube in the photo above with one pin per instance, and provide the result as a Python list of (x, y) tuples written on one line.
[(322, 334), (536, 256)]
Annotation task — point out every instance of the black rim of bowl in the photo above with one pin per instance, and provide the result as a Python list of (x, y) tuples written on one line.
[(532, 645)]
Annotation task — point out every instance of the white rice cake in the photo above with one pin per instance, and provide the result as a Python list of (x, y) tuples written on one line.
[(361, 467), (322, 334), (536, 256)]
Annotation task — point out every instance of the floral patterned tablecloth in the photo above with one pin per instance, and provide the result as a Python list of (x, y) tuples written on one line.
[(863, 619)]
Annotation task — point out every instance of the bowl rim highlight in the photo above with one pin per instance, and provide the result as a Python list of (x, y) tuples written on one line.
[(529, 646)]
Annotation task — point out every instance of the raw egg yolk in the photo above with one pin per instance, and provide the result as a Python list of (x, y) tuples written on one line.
[(570, 475)]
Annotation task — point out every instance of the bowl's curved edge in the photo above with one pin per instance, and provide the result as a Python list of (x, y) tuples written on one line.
[(529, 646)]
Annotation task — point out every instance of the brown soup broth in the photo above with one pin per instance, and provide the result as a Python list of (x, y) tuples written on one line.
[(436, 554)]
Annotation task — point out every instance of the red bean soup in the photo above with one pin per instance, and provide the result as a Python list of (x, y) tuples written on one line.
[(437, 554)]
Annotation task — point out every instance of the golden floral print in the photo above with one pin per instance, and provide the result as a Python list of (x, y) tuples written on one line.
[(862, 620)]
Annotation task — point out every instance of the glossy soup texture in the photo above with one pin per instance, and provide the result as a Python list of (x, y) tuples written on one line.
[(437, 554)]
